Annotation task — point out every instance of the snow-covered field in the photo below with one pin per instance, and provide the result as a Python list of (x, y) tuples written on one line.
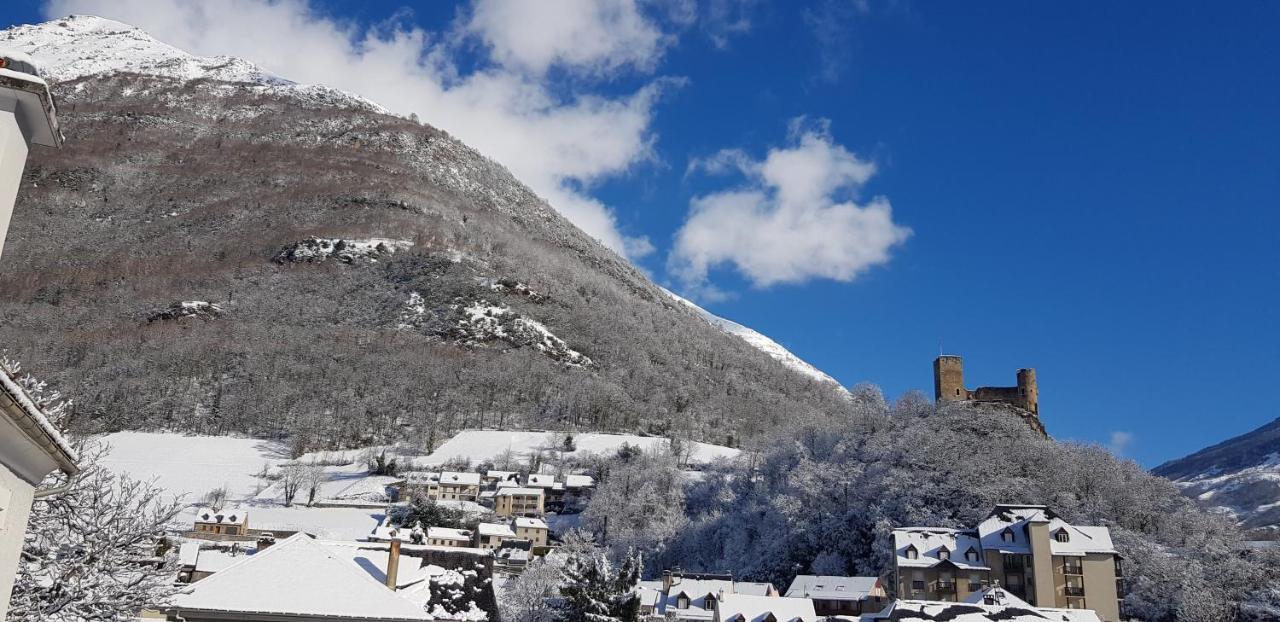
[(482, 445), (192, 465)]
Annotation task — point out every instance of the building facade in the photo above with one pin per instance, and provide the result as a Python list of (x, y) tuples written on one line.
[(1026, 549), (512, 501)]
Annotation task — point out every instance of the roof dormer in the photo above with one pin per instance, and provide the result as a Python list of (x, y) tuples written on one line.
[(1007, 535), (912, 552)]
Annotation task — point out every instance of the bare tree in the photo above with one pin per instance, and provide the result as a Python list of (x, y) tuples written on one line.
[(215, 498), (292, 477), (313, 476)]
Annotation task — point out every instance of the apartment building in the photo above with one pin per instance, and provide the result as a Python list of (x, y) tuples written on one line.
[(532, 529), (1026, 549), (517, 501), (455, 486)]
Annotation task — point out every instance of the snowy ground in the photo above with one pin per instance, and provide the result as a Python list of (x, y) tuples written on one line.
[(192, 465), (481, 445)]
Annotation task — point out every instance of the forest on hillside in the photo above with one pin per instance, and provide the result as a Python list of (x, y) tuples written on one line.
[(211, 258), (821, 495)]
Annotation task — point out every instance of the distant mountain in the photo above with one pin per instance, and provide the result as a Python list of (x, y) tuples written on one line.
[(217, 249), (1240, 475)]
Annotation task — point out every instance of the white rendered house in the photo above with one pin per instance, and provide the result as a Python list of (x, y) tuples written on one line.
[(30, 448), (27, 117)]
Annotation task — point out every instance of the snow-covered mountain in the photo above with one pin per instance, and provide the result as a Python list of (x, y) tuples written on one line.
[(84, 45), (373, 277), (758, 341), (1240, 475)]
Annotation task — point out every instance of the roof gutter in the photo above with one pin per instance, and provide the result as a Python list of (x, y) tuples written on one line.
[(36, 429)]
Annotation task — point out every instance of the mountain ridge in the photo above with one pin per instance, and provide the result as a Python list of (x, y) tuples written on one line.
[(247, 257), (1240, 475)]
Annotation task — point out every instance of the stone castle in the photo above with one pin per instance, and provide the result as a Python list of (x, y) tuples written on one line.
[(948, 386)]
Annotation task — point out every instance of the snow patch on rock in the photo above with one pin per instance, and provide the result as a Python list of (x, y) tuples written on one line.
[(346, 251), (483, 322), (187, 309)]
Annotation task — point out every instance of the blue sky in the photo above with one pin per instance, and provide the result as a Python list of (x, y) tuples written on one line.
[(1090, 189)]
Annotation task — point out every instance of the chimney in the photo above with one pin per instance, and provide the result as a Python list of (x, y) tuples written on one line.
[(666, 581), (393, 564)]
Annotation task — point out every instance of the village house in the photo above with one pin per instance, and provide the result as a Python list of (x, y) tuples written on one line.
[(492, 535), (515, 501), (30, 449), (992, 604), (839, 596), (455, 486), (694, 597), (229, 522), (553, 491), (302, 580), (444, 536), (532, 529), (755, 608), (492, 478), (1026, 549)]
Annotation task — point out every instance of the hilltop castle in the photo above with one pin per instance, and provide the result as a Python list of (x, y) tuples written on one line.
[(948, 386)]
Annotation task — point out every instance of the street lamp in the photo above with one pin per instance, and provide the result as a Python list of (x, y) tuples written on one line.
[(27, 117)]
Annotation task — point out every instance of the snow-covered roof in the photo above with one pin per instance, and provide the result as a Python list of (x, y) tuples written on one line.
[(457, 478), (225, 516), (697, 591), (996, 595), (541, 480), (33, 423), (927, 611), (501, 475), (579, 481), (829, 587), (519, 491), (753, 587), (501, 530), (188, 552), (218, 559), (298, 577), (1014, 519), (751, 608), (531, 523), (929, 542), (374, 557), (445, 533)]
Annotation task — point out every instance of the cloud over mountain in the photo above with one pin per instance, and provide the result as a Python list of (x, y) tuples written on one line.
[(796, 218)]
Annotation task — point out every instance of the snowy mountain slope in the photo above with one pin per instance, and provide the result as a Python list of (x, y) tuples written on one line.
[(190, 179), (758, 341), (1240, 475), (82, 45)]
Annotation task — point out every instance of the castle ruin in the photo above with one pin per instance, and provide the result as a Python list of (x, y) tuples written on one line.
[(948, 386)]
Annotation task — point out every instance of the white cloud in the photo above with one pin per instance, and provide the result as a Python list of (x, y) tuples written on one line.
[(1120, 442), (797, 218), (596, 36), (557, 144)]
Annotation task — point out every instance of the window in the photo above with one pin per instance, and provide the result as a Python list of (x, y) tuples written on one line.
[(944, 553), (682, 602), (957, 391), (971, 555), (1006, 535), (975, 582), (912, 553), (1061, 535)]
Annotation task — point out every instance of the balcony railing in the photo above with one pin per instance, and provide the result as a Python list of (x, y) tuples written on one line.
[(1073, 590), (946, 586), (1075, 568)]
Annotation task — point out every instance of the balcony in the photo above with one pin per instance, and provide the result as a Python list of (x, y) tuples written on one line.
[(946, 586), (1073, 569), (1073, 590)]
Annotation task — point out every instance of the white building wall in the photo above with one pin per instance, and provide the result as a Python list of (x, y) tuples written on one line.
[(13, 157), (15, 508)]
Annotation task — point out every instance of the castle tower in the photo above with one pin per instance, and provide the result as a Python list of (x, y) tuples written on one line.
[(948, 379), (1028, 390)]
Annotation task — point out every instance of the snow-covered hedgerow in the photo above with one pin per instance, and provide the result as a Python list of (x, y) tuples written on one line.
[(346, 251)]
